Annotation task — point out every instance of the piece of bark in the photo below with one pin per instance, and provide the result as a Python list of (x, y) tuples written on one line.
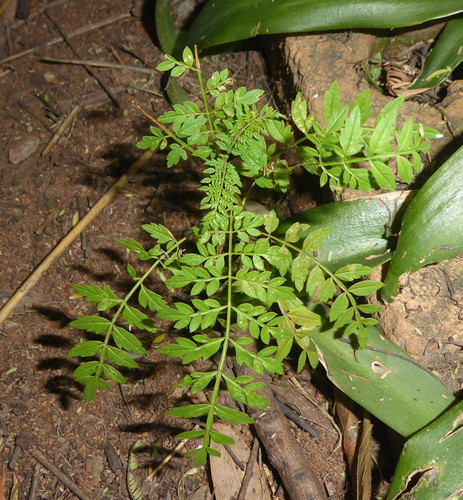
[(282, 449), (293, 398)]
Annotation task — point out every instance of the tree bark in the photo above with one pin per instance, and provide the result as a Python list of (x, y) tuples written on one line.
[(282, 449)]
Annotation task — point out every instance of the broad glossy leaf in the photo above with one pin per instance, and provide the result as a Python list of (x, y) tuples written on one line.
[(432, 227), (445, 56), (360, 229), (172, 42), (168, 35), (432, 459), (382, 378), (225, 21)]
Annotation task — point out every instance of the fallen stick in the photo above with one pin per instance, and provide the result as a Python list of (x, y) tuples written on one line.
[(249, 470), (77, 32), (59, 474), (281, 446), (63, 245), (283, 451), (34, 482), (60, 130), (99, 64), (87, 68)]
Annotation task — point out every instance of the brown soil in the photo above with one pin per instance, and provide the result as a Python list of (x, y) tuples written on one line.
[(40, 198)]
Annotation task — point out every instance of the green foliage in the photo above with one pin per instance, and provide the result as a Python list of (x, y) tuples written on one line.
[(438, 207), (223, 22), (336, 150), (382, 378), (445, 56), (248, 284), (432, 459)]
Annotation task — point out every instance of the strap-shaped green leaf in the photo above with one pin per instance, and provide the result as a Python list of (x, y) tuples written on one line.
[(433, 460), (445, 56), (432, 227), (360, 229), (382, 378), (225, 21)]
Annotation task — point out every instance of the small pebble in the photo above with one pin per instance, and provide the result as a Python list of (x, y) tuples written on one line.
[(51, 77), (22, 149)]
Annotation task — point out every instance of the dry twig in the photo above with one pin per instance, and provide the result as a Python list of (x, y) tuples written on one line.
[(169, 456), (249, 470), (4, 6), (281, 447), (36, 13), (87, 68), (59, 39), (60, 130), (59, 474), (63, 245), (34, 482), (99, 64)]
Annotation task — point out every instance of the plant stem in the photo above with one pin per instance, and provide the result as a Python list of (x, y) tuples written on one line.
[(325, 269), (204, 94), (228, 324), (124, 304)]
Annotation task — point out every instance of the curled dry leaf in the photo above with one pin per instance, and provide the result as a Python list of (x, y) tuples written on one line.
[(399, 79)]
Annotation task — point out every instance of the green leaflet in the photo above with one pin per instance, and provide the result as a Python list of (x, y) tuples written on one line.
[(434, 459), (95, 324), (382, 378), (445, 56), (225, 21), (104, 296), (432, 227)]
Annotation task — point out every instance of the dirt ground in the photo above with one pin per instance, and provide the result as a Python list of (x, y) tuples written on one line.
[(41, 196)]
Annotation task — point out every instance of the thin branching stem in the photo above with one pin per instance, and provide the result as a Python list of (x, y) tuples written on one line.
[(204, 95)]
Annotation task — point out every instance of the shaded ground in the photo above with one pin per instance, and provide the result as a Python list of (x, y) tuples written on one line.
[(40, 197)]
